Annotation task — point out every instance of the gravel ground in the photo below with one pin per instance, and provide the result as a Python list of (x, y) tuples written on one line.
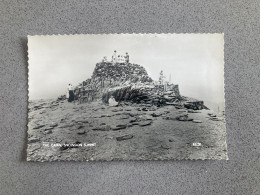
[(58, 130)]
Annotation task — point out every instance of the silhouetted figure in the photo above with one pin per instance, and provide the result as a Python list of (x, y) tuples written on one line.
[(127, 58), (71, 93), (114, 57)]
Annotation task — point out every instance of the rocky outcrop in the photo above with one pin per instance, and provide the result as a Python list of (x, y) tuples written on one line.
[(143, 94), (126, 82)]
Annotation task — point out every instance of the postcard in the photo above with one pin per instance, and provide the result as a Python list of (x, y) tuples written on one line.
[(113, 97)]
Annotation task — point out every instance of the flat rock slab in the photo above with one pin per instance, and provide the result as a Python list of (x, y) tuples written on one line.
[(102, 128), (144, 123), (215, 119), (156, 114), (118, 127), (33, 140), (66, 125), (193, 111), (54, 125), (124, 117), (38, 126), (183, 118), (125, 137), (197, 121), (48, 128), (48, 132), (117, 110)]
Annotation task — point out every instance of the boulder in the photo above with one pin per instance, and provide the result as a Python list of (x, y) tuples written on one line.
[(183, 118), (112, 102)]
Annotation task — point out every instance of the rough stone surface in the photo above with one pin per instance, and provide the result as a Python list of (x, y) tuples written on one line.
[(239, 20)]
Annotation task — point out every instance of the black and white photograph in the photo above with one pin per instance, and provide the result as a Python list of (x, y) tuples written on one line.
[(115, 97)]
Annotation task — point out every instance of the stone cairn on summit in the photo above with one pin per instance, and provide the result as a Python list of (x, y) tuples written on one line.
[(129, 83)]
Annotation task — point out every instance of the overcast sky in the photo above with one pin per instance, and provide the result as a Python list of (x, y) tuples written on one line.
[(195, 61)]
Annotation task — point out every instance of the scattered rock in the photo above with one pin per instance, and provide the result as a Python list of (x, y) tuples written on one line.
[(102, 128), (179, 106), (66, 125), (211, 115), (33, 140), (145, 123), (165, 146), (124, 117), (215, 119), (48, 132), (84, 121), (197, 121), (105, 115), (169, 118), (117, 110), (145, 109), (135, 123), (183, 118), (112, 102), (80, 127), (133, 114), (147, 117), (48, 128), (195, 105), (125, 137), (118, 127), (130, 125), (193, 111), (38, 126), (81, 132), (156, 114), (54, 125), (133, 119), (153, 108)]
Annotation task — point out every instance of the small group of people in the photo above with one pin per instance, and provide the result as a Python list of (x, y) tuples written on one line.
[(120, 58)]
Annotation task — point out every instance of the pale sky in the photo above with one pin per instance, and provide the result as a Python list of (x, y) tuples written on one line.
[(195, 61)]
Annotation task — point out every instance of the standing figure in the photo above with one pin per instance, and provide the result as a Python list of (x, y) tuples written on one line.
[(104, 59), (161, 78), (127, 58), (71, 93), (114, 58)]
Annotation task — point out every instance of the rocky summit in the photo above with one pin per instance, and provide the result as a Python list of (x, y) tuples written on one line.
[(130, 83)]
